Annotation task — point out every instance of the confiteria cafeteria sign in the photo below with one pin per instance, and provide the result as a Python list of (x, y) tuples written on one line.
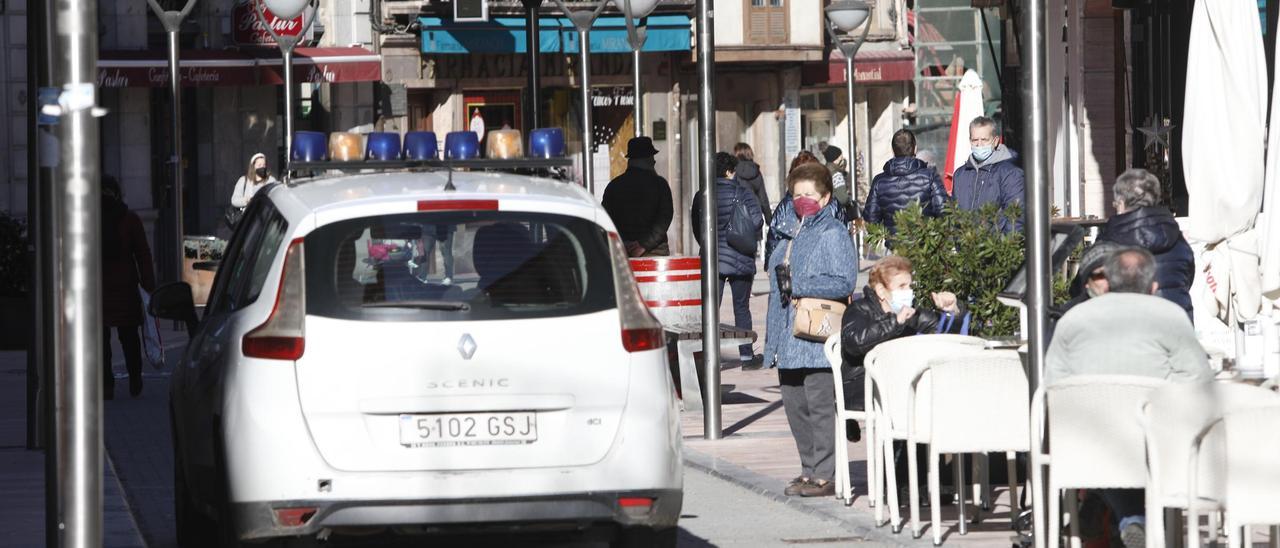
[(247, 28)]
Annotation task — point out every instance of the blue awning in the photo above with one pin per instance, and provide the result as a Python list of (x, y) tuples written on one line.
[(557, 34)]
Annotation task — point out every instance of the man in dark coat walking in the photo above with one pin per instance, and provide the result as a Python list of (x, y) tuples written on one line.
[(639, 202), (126, 265), (905, 179), (991, 174), (748, 173), (735, 268)]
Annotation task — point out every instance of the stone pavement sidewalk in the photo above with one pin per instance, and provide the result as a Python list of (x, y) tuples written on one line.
[(22, 478), (758, 452)]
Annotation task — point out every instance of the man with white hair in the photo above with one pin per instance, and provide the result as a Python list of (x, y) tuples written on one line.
[(1127, 330)]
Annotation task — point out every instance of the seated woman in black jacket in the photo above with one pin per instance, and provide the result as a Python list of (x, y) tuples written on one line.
[(885, 312)]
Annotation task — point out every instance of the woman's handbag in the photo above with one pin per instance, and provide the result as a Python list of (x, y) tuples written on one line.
[(815, 319)]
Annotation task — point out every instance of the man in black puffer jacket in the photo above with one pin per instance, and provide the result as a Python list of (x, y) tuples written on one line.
[(905, 179), (1141, 223)]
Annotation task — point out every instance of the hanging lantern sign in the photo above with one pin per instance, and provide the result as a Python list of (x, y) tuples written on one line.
[(248, 30), (285, 31)]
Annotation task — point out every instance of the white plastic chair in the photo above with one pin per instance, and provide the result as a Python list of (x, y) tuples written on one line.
[(891, 369), (1251, 479), (997, 420), (1094, 440), (844, 485), (1172, 419)]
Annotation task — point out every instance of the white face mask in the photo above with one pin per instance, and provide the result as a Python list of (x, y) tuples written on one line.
[(900, 298)]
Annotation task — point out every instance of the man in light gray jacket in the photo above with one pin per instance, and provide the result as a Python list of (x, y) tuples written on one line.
[(1127, 331)]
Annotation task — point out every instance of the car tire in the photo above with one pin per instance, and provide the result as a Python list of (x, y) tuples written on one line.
[(226, 533), (645, 537), (193, 528)]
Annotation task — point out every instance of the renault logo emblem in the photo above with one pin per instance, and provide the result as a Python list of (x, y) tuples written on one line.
[(467, 346)]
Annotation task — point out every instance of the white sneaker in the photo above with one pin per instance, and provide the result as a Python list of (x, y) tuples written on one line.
[(446, 281)]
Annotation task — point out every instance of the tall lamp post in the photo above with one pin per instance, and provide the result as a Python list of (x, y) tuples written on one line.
[(582, 21), (636, 9), (172, 21), (288, 9), (842, 17)]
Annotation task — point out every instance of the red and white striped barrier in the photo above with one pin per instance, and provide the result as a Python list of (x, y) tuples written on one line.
[(671, 288)]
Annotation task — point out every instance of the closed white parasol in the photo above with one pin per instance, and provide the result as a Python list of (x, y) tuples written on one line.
[(1222, 144)]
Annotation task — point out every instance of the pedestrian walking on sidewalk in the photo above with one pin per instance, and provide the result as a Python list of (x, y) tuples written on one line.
[(747, 172), (815, 258), (639, 202), (905, 179), (737, 267), (126, 265), (255, 177)]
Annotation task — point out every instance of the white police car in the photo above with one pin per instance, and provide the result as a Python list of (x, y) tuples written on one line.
[(406, 351)]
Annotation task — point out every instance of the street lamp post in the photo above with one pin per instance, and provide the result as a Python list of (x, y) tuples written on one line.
[(76, 210), (582, 21), (711, 425), (636, 9), (288, 9), (842, 17), (172, 21)]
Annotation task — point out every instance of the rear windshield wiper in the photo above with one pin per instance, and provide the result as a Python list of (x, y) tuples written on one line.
[(425, 305)]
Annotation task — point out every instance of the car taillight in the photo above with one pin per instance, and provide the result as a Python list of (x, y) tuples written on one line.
[(640, 330), (281, 337)]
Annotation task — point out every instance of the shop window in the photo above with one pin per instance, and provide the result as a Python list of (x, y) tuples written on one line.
[(766, 22), (949, 38), (486, 111)]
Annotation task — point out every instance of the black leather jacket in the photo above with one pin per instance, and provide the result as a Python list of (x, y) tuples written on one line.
[(866, 324)]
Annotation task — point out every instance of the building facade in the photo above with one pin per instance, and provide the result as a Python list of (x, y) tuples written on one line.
[(231, 105)]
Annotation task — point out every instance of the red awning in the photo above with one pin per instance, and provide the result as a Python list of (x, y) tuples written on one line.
[(868, 67), (147, 68)]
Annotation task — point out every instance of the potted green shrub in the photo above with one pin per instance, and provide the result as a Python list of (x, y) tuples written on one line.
[(15, 303), (964, 252)]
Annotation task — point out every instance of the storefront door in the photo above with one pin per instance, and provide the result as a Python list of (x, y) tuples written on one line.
[(489, 110)]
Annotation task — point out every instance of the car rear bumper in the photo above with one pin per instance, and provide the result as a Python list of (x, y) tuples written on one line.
[(258, 520)]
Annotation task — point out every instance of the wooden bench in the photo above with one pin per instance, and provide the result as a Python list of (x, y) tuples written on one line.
[(684, 344)]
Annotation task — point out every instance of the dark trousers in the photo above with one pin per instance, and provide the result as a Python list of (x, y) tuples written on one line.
[(131, 343), (740, 287), (809, 397)]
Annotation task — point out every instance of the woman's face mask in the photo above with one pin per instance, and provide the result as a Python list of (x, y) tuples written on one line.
[(806, 207), (901, 298), (261, 172)]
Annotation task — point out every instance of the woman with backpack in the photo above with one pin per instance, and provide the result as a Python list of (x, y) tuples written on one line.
[(738, 222), (813, 269)]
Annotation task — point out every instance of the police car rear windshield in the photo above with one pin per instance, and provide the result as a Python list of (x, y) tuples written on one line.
[(458, 265)]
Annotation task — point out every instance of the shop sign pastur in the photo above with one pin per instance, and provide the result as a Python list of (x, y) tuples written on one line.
[(247, 30)]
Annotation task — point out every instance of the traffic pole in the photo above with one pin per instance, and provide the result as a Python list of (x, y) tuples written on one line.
[(533, 46)]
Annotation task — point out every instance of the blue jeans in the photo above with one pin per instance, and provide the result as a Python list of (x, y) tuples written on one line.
[(1129, 506), (740, 286)]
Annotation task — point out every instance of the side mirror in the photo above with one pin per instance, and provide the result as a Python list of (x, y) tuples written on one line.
[(172, 301)]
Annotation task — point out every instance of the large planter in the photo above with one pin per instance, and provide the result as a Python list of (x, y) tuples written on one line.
[(16, 325), (197, 250)]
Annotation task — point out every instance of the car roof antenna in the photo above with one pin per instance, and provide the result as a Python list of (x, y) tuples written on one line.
[(448, 184)]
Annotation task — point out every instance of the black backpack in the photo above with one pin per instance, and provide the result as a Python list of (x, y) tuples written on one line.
[(740, 232)]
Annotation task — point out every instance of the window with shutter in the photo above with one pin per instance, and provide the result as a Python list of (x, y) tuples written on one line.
[(766, 22)]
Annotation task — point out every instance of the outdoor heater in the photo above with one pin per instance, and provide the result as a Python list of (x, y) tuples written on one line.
[(631, 10), (287, 9), (843, 16), (582, 21)]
